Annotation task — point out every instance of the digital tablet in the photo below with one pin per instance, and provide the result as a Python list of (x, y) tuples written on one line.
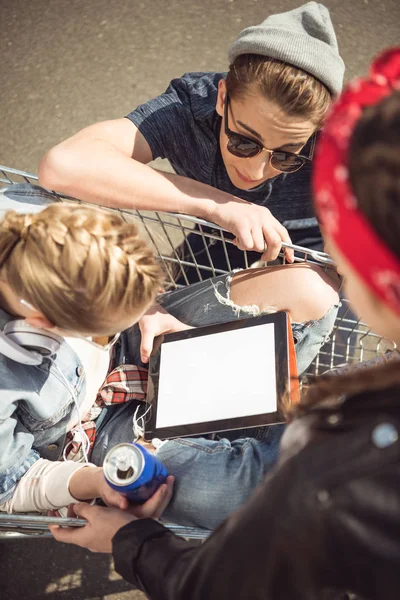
[(220, 377)]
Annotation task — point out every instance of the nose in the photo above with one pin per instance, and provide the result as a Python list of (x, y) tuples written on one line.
[(259, 166)]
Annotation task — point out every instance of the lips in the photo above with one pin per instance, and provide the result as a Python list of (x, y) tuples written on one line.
[(244, 178)]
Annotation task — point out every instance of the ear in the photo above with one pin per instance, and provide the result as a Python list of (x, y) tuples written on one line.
[(220, 104), (40, 321)]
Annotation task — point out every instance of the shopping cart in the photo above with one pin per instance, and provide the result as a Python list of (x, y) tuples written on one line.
[(175, 239)]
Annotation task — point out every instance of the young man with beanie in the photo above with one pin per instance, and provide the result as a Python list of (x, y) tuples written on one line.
[(231, 139)]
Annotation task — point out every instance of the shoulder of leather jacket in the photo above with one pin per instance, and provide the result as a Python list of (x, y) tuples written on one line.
[(363, 411)]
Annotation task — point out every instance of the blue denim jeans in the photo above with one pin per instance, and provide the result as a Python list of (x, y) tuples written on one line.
[(213, 476), (208, 303)]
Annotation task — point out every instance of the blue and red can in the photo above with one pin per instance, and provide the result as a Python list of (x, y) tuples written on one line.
[(131, 470)]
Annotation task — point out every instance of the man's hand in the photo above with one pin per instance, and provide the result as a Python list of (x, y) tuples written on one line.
[(254, 226), (156, 322), (97, 535), (103, 523)]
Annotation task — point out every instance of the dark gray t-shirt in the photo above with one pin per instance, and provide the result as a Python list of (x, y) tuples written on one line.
[(183, 126)]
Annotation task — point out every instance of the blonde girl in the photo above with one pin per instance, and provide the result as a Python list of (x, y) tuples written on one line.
[(67, 273)]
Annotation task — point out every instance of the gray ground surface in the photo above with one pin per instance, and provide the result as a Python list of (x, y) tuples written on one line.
[(65, 64)]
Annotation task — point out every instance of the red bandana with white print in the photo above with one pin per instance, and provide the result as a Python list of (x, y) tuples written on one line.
[(335, 202)]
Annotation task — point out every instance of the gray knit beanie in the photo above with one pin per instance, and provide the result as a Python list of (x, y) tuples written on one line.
[(303, 37)]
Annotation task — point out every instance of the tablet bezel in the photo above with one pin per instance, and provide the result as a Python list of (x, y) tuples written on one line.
[(280, 321)]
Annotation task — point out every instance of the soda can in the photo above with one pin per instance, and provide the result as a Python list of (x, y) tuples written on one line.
[(131, 470)]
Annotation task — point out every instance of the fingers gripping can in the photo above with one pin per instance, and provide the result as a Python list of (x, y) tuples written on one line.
[(133, 471)]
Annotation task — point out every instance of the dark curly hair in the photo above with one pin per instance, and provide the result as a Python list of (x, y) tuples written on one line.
[(374, 170)]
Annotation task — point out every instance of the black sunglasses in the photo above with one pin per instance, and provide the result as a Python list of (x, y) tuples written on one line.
[(245, 147)]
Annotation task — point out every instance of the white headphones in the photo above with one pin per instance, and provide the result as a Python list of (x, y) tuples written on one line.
[(26, 344)]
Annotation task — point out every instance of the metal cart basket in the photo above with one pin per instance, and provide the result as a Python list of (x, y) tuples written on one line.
[(171, 236)]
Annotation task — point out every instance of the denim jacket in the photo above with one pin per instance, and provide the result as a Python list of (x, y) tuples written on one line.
[(35, 408)]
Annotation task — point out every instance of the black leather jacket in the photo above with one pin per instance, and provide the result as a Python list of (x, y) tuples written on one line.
[(327, 518)]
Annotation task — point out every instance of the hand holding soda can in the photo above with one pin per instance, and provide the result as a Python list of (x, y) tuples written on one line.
[(132, 471)]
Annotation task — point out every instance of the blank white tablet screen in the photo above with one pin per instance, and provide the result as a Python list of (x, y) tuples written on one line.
[(217, 376)]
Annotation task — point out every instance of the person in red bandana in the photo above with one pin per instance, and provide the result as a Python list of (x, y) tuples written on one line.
[(326, 522)]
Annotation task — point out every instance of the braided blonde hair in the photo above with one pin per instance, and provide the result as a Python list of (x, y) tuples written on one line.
[(80, 266)]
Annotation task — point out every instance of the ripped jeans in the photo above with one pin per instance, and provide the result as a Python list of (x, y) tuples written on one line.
[(208, 303), (213, 476)]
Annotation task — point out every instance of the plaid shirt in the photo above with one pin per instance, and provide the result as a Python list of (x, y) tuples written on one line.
[(125, 383)]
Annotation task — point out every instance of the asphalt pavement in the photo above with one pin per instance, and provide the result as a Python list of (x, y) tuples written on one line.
[(67, 63)]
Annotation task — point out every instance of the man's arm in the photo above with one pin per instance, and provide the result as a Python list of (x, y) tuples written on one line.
[(267, 550), (106, 163)]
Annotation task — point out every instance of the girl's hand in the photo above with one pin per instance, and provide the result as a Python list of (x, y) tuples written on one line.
[(156, 322), (89, 483), (110, 496)]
